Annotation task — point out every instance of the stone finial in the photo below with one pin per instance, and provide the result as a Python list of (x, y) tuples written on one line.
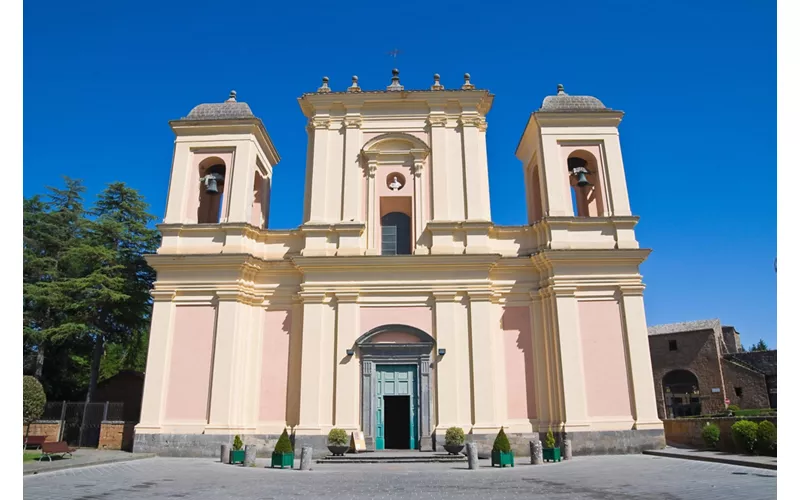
[(395, 81), (354, 87), (561, 90), (467, 85), (324, 87), (437, 85), (232, 96)]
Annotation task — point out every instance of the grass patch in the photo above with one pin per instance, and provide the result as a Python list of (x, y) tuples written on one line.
[(30, 456), (755, 412)]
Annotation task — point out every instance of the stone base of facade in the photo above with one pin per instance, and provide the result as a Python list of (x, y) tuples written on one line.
[(583, 443)]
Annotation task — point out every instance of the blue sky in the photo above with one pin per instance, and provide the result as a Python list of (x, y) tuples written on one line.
[(697, 81)]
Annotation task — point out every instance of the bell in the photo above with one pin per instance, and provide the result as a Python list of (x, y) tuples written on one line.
[(211, 185), (215, 175), (582, 181)]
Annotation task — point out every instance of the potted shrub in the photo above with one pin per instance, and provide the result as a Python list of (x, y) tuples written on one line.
[(237, 453), (501, 450), (454, 440), (710, 435), (550, 452), (338, 444), (283, 454), (745, 434)]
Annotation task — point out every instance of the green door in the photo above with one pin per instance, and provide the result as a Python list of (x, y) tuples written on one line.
[(396, 380)]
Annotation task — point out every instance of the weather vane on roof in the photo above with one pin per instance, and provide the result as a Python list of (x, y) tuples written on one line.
[(394, 53)]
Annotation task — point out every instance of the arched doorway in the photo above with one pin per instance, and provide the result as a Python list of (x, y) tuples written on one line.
[(396, 387), (681, 394)]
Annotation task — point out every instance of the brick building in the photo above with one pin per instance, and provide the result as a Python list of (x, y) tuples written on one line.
[(697, 365)]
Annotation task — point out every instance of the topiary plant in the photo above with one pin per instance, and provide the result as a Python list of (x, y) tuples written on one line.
[(710, 435), (284, 445), (337, 437), (501, 442), (237, 443), (745, 434), (767, 438), (454, 436), (33, 401), (549, 440)]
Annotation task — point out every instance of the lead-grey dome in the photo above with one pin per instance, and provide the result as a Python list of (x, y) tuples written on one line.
[(228, 110), (563, 102)]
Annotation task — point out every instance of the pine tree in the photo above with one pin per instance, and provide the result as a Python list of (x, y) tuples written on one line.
[(761, 346)]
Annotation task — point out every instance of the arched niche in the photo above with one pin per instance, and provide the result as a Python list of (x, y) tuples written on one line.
[(587, 200)]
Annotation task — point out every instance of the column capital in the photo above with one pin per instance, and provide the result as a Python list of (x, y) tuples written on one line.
[(227, 295), (446, 296), (637, 289), (319, 123), (437, 121), (353, 122), (472, 121), (347, 297), (314, 297), (480, 295), (162, 295)]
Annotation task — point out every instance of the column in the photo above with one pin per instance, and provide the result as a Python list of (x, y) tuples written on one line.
[(556, 179), (570, 358), (314, 327), (179, 186), (640, 369), (476, 172), (155, 383), (319, 169), (373, 245), (228, 352), (242, 178), (334, 176), (351, 203), (347, 367), (542, 364), (438, 164), (482, 332)]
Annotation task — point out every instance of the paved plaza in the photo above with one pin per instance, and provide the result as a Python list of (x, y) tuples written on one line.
[(624, 477)]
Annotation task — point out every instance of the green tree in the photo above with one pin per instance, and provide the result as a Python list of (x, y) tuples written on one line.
[(761, 346), (33, 401)]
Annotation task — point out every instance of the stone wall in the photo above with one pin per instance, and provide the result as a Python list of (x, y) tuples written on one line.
[(116, 435), (753, 385), (688, 431), (48, 428)]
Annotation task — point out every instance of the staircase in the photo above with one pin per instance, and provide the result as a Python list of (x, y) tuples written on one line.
[(393, 457)]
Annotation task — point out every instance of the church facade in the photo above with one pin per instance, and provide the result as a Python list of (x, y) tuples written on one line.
[(398, 308)]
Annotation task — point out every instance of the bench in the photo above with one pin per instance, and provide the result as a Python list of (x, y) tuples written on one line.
[(35, 441), (55, 448)]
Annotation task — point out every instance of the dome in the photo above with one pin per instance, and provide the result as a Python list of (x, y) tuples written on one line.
[(563, 102), (228, 110)]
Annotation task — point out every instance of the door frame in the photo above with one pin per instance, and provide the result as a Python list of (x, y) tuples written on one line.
[(413, 410), (417, 353)]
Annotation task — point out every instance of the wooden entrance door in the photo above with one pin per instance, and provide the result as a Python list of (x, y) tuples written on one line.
[(395, 380)]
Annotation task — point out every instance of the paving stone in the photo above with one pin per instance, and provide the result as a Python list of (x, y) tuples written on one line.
[(625, 477)]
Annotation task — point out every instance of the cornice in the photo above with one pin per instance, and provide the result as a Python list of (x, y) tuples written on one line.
[(239, 126), (347, 263), (583, 256)]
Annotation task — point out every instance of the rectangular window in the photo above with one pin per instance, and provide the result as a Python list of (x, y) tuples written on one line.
[(389, 240), (673, 345), (738, 391)]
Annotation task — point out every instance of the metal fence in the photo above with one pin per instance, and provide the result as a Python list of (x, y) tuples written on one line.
[(81, 421)]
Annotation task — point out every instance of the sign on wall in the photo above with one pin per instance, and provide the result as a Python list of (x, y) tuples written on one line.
[(715, 389)]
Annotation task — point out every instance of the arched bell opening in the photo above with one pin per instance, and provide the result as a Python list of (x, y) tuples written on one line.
[(585, 185), (211, 189), (395, 364)]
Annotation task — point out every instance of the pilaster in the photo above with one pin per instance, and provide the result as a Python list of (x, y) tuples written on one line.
[(351, 201), (482, 333), (476, 170), (454, 399), (419, 203), (640, 369), (440, 199), (347, 367), (555, 178), (319, 172), (242, 178), (371, 165), (158, 358), (314, 412)]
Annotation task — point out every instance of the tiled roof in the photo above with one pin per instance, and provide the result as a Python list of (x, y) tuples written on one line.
[(686, 326), (563, 102), (228, 110)]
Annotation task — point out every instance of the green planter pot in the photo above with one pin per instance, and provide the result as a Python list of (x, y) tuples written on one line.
[(283, 460), (551, 454), (237, 456), (502, 458)]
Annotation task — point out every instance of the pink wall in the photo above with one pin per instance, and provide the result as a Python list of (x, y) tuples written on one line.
[(517, 345), (604, 361), (190, 367), (275, 365), (419, 317), (395, 338)]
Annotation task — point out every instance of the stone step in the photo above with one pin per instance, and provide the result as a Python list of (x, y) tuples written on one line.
[(383, 458)]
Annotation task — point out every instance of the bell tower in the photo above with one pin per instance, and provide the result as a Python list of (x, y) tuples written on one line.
[(221, 166)]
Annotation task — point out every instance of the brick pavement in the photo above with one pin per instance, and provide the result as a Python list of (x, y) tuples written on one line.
[(625, 477)]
